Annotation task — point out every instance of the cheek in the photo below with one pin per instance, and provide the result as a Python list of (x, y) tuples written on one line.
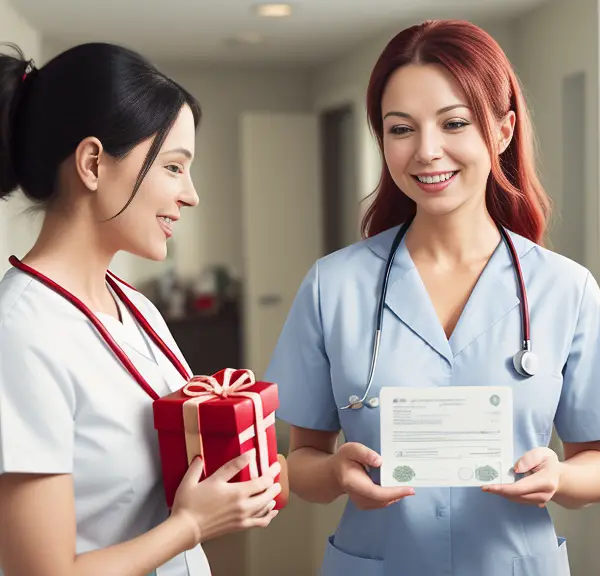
[(158, 188), (471, 152), (114, 193), (397, 155)]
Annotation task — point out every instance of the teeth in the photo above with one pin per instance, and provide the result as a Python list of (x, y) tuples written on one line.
[(166, 219), (435, 179)]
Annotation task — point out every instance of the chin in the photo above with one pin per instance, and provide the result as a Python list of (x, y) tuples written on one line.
[(154, 253), (439, 206)]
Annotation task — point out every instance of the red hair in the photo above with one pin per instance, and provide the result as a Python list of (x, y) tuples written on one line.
[(515, 197)]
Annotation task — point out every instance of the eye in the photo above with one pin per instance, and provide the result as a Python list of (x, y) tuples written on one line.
[(174, 168), (400, 130), (456, 124)]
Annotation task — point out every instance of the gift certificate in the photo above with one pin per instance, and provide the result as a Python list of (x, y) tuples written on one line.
[(446, 436)]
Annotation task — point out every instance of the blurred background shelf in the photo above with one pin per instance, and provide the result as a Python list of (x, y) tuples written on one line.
[(210, 342)]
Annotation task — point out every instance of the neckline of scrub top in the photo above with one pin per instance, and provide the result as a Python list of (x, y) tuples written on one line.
[(381, 243), (406, 289), (127, 331)]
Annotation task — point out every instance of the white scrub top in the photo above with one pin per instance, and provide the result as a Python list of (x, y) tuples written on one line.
[(68, 406), (323, 357)]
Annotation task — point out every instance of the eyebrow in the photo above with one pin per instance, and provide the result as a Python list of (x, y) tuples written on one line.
[(183, 151), (440, 111)]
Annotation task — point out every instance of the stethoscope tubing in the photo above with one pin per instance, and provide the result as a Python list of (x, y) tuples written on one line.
[(354, 401), (104, 333)]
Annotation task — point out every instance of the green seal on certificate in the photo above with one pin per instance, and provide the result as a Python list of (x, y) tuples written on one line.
[(486, 474), (403, 474), (495, 400)]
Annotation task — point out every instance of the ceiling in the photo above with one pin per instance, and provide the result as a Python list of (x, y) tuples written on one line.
[(207, 30)]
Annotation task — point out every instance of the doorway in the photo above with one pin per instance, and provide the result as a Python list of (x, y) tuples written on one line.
[(340, 197)]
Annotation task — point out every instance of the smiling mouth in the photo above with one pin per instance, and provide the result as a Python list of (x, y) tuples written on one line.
[(166, 225), (436, 178)]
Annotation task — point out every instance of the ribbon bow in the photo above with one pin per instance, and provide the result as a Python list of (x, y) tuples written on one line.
[(211, 386), (203, 388)]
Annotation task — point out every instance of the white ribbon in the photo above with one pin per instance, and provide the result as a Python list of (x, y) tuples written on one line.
[(204, 388)]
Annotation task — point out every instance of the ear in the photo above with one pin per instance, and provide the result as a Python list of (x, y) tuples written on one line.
[(506, 129), (88, 156)]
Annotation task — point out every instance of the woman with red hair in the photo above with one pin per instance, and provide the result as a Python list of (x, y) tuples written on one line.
[(451, 288)]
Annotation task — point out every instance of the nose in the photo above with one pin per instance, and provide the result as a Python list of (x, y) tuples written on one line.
[(429, 147), (189, 197)]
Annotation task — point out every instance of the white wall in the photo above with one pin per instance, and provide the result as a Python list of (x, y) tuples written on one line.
[(16, 232), (551, 42)]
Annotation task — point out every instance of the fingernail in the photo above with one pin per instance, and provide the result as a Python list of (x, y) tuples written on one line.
[(272, 505), (278, 487), (375, 459)]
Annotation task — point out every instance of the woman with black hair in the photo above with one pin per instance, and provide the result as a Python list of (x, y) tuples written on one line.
[(104, 142)]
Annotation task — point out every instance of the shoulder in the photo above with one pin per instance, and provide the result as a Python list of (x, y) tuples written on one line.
[(356, 260), (541, 257), (30, 312), (39, 332), (551, 270)]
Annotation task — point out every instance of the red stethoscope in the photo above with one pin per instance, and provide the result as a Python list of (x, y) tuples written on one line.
[(112, 280)]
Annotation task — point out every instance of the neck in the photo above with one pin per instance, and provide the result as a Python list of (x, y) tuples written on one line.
[(463, 237), (69, 251)]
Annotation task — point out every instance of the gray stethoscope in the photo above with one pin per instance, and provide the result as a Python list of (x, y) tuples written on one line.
[(525, 361)]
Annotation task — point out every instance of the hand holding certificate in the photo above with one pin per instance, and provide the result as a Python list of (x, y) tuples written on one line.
[(349, 466), (542, 478), (452, 436)]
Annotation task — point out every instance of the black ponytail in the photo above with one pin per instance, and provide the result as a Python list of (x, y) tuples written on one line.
[(12, 76), (96, 89)]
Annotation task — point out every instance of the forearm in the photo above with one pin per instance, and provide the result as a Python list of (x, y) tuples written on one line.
[(139, 556), (311, 475), (579, 483)]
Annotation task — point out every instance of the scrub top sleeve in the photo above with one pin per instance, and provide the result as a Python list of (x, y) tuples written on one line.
[(578, 414), (300, 366), (37, 405)]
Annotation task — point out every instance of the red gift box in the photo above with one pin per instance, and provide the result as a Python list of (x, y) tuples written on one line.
[(217, 417)]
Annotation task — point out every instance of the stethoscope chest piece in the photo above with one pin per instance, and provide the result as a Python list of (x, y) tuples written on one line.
[(526, 363)]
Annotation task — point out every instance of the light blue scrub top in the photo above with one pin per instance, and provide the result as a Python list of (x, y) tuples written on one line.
[(323, 357)]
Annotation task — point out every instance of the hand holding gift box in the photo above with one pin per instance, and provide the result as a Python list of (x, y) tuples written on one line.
[(218, 418)]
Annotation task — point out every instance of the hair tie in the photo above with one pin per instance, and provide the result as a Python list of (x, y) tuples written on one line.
[(28, 69)]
